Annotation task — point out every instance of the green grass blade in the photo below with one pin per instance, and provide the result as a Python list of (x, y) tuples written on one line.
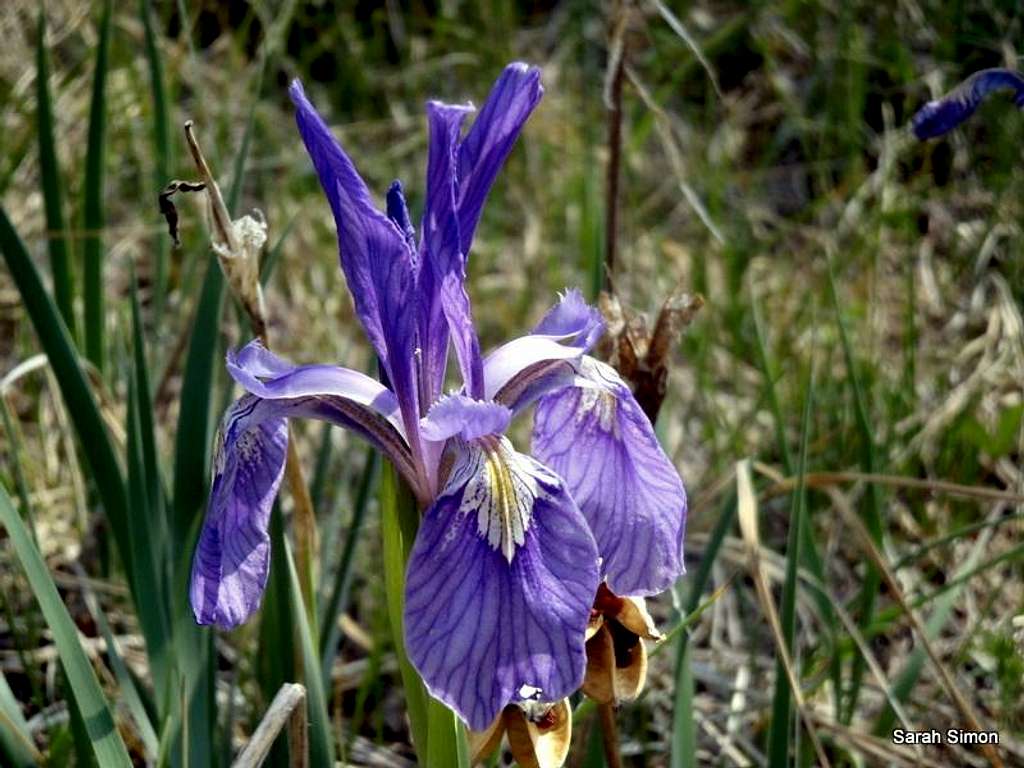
[(128, 688), (93, 198), (15, 453), (321, 745), (446, 737), (49, 171), (338, 600), (684, 735), (155, 494), (872, 500), (275, 663), (782, 703), (78, 398), (194, 435), (161, 149), (398, 523), (145, 532), (16, 746), (104, 738)]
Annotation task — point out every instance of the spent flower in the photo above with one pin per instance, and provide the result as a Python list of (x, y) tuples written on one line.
[(512, 546)]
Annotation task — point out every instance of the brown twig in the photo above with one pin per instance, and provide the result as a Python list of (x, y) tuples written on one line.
[(613, 103)]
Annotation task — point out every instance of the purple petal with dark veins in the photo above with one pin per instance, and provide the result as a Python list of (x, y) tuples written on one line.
[(490, 140), (229, 568), (463, 416), (441, 252), (520, 371), (489, 619), (599, 440), (572, 318), (375, 257), (327, 392), (232, 556)]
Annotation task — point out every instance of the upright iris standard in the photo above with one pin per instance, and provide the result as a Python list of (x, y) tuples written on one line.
[(512, 547)]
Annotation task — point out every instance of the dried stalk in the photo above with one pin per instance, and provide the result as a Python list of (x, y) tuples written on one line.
[(288, 707), (747, 510), (945, 678)]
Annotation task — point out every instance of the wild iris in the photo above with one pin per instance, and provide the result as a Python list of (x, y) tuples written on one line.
[(512, 546)]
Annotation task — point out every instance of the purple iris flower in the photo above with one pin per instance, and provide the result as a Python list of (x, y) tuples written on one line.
[(942, 115), (511, 547)]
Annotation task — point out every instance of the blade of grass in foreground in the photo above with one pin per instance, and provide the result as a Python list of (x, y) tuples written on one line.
[(16, 745), (161, 148), (78, 398), (338, 601), (92, 203), (49, 172), (104, 738), (321, 744), (129, 689), (684, 736), (782, 703), (872, 500), (149, 593)]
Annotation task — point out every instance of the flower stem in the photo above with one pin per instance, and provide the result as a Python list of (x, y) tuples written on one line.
[(609, 735)]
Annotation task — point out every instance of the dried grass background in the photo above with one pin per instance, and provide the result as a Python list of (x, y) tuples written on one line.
[(741, 181)]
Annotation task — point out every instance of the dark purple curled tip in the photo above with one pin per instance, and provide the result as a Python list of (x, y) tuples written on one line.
[(943, 115)]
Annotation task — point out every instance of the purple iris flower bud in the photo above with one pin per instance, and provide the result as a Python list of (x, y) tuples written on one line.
[(942, 115), (511, 547)]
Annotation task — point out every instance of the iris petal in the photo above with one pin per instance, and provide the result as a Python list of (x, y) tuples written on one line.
[(512, 99), (482, 628), (466, 417), (942, 115), (232, 558), (599, 440), (375, 257), (442, 252), (520, 371)]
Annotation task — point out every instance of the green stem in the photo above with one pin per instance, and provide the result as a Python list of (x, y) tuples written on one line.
[(437, 734)]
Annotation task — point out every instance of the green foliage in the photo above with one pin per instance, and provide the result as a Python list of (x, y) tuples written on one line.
[(102, 736), (93, 201)]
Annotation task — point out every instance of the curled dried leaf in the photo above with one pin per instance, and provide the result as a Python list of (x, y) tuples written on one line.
[(167, 208)]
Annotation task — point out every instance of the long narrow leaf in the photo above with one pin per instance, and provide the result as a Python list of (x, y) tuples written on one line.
[(104, 738), (129, 689), (78, 398), (49, 171), (782, 703), (93, 199), (321, 745), (338, 600), (145, 532), (398, 522), (16, 745), (684, 743), (161, 150), (872, 501)]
